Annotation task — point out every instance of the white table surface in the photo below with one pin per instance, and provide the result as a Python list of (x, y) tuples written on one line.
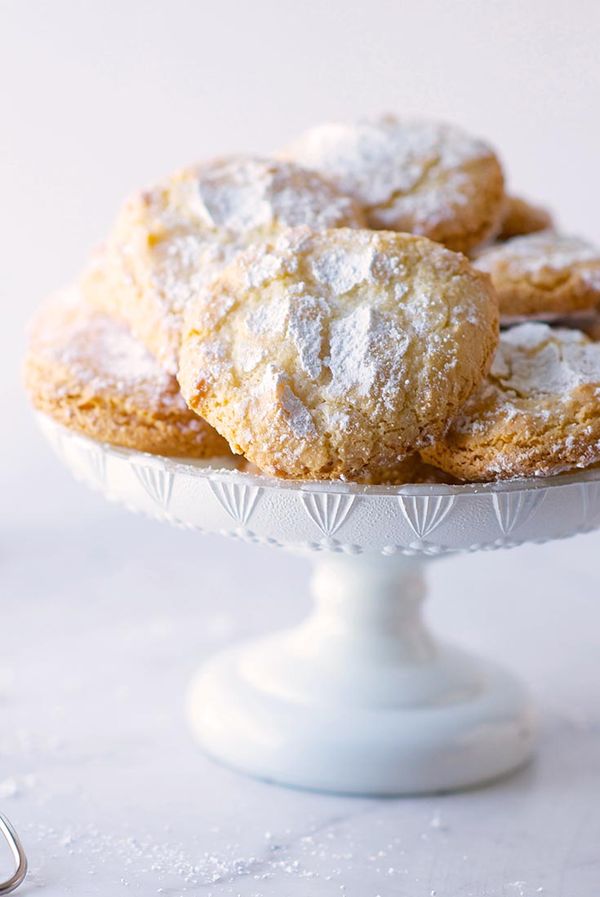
[(106, 616)]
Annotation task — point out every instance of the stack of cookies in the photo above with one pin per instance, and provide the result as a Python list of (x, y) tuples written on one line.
[(367, 305)]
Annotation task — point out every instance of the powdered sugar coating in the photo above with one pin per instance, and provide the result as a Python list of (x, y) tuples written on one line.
[(242, 194), (537, 413), (100, 352), (88, 371), (544, 251), (544, 272), (170, 240), (423, 177), (535, 360), (328, 369)]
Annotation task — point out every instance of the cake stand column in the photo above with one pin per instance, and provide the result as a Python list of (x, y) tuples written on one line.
[(361, 698)]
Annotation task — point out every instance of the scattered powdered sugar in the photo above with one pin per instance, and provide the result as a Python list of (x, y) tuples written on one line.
[(232, 194), (268, 319), (105, 355), (350, 360), (265, 262), (172, 240), (341, 270), (387, 158), (359, 352), (99, 354), (275, 388), (532, 335), (330, 858), (122, 357), (245, 193), (248, 356), (299, 417), (185, 263), (265, 267), (436, 822), (313, 353), (543, 251), (534, 359), (212, 362), (300, 197), (591, 276), (387, 267), (264, 324), (306, 321), (424, 312), (424, 209), (362, 346), (16, 785)]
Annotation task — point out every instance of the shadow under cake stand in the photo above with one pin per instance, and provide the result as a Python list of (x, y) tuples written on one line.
[(360, 698)]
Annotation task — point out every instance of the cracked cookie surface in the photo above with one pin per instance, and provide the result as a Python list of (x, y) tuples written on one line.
[(536, 414), (87, 372), (338, 354), (543, 275), (169, 240), (409, 175)]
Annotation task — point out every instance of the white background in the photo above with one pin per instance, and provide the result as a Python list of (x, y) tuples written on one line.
[(105, 616)]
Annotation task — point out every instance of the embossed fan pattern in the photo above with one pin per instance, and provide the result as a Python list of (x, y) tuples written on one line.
[(239, 500), (328, 512), (158, 483), (433, 521)]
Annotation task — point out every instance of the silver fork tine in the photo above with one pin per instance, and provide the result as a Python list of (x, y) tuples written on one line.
[(12, 839)]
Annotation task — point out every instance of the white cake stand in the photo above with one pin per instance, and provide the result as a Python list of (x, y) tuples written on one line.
[(360, 698)]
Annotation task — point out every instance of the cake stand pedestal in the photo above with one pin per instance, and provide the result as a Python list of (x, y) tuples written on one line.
[(360, 698)]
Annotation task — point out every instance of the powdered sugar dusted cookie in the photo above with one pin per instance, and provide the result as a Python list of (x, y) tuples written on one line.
[(417, 176), (169, 240), (337, 355), (87, 372), (523, 217), (410, 470), (544, 274), (538, 412)]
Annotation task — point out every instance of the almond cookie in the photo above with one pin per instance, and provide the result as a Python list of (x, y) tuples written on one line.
[(523, 217), (88, 373), (416, 176), (411, 470), (590, 324), (543, 275), (337, 354), (170, 240), (538, 412), (408, 470)]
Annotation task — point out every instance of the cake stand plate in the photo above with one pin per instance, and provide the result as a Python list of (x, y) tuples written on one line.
[(360, 698)]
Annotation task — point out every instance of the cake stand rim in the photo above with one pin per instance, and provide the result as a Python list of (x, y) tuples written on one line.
[(201, 468)]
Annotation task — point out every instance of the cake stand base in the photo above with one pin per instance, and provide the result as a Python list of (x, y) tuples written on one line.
[(361, 698)]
